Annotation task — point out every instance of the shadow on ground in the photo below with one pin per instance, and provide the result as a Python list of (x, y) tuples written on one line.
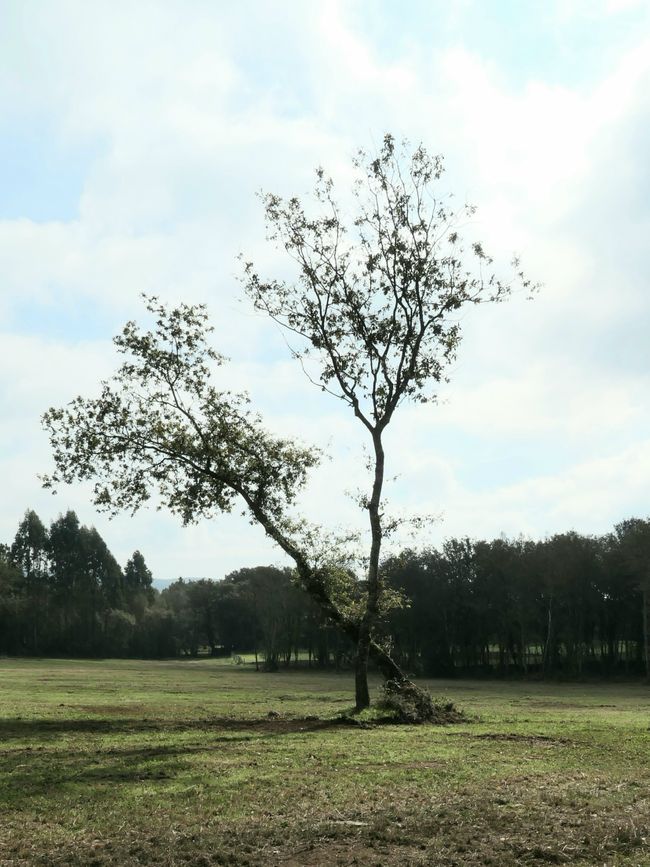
[(23, 729)]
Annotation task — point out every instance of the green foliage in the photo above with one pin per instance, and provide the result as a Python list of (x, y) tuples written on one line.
[(374, 313), (376, 296), (138, 577), (159, 425), (119, 628), (413, 705), (29, 550), (62, 591), (564, 606), (569, 606), (633, 538)]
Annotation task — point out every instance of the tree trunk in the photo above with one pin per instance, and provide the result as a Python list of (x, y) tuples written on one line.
[(362, 694), (548, 658), (313, 582), (389, 669), (523, 647), (646, 636), (361, 691)]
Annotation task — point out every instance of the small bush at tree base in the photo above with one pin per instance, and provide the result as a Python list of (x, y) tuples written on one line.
[(412, 704)]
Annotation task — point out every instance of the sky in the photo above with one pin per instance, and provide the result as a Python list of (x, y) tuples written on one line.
[(133, 141)]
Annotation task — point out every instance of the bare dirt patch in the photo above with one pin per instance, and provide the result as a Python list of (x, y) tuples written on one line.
[(512, 736)]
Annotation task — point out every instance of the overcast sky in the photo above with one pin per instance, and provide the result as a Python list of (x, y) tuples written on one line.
[(133, 138)]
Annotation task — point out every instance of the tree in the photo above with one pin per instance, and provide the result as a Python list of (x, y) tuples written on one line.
[(633, 536), (29, 554), (68, 576), (620, 601), (277, 607), (10, 579), (234, 616), (187, 620), (375, 305), (138, 578), (104, 580), (87, 583), (203, 601)]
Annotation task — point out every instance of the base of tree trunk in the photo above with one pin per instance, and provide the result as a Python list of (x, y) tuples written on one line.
[(412, 704)]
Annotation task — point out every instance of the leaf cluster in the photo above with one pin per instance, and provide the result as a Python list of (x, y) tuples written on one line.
[(377, 295), (160, 425)]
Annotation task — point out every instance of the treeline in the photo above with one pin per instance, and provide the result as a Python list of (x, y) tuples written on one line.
[(63, 592), (569, 605)]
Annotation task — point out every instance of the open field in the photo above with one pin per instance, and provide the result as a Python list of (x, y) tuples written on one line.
[(125, 762)]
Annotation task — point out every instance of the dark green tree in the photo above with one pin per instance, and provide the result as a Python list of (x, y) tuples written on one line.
[(186, 619), (203, 600), (30, 555), (277, 607), (235, 617), (68, 578), (11, 610), (138, 578), (620, 603), (103, 573), (633, 537)]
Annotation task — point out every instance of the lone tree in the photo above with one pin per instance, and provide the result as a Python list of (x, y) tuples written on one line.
[(374, 310)]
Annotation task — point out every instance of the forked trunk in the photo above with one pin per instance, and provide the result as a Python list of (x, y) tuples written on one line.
[(361, 634), (389, 669)]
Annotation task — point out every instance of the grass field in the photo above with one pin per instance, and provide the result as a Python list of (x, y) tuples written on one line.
[(124, 762)]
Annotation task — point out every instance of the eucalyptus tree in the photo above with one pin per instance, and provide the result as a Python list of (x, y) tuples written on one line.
[(633, 536), (10, 609), (29, 554), (139, 592), (374, 305)]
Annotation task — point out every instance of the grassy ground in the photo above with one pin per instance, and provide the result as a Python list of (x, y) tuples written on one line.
[(123, 762)]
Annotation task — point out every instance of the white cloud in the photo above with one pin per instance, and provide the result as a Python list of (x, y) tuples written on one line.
[(193, 111)]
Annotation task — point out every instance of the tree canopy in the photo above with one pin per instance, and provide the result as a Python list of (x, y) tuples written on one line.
[(376, 304)]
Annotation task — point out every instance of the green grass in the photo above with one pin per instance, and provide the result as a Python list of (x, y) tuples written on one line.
[(124, 762)]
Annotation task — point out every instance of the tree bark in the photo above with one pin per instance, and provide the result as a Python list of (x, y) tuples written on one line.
[(312, 581), (549, 650), (361, 690), (646, 635), (362, 694), (389, 669)]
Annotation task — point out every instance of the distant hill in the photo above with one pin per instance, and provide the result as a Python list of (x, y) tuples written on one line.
[(162, 583)]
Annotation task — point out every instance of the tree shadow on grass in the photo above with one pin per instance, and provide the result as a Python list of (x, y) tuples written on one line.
[(97, 772), (91, 779), (29, 729), (49, 767)]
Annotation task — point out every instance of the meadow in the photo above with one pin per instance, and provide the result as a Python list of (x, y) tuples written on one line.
[(202, 762)]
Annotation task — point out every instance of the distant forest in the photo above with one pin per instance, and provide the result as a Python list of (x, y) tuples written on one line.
[(570, 605)]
